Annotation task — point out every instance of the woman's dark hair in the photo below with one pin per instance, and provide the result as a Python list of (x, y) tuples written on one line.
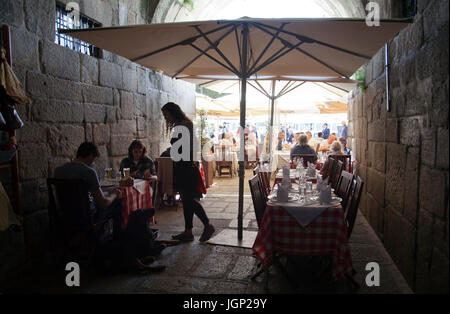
[(86, 149), (136, 144), (176, 112)]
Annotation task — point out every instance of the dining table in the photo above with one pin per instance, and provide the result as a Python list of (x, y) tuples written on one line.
[(136, 196), (304, 226)]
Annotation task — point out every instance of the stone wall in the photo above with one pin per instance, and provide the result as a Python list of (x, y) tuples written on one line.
[(402, 155), (76, 97)]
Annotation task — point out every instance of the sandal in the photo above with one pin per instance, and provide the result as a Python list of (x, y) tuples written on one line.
[(183, 237)]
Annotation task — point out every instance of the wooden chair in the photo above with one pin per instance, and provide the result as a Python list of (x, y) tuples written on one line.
[(344, 187), (264, 179), (353, 204), (223, 158), (306, 158), (346, 159), (328, 168), (336, 174), (259, 203), (74, 234)]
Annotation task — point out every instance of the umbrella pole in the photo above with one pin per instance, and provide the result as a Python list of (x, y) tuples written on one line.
[(243, 78), (272, 109)]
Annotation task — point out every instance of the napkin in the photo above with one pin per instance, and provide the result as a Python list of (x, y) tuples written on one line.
[(311, 172), (286, 177), (282, 193), (140, 186), (321, 184), (325, 195)]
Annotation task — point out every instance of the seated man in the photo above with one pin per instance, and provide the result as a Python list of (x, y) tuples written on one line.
[(81, 168), (302, 148)]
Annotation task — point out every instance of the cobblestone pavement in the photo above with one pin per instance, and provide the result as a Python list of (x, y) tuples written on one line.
[(196, 268)]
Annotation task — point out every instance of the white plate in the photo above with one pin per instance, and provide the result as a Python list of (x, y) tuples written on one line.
[(291, 198)]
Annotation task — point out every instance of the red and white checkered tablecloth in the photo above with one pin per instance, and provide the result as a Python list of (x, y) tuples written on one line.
[(326, 235), (134, 200)]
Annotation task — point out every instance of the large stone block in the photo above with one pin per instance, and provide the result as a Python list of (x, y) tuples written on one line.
[(119, 145), (33, 161), (392, 130), (112, 114), (57, 111), (155, 80), (98, 95), (64, 139), (433, 190), (89, 69), (142, 80), (32, 132), (423, 281), (418, 97), (127, 107), (395, 175), (68, 90), (39, 85), (399, 240), (24, 49), (123, 127), (88, 133), (398, 102), (40, 18), (110, 74), (130, 82), (410, 131), (102, 162), (95, 113), (435, 17), (411, 185), (412, 38), (428, 150), (377, 155), (140, 103), (378, 64), (376, 185), (375, 213), (442, 148), (60, 61), (101, 133), (33, 198), (425, 234), (11, 12), (376, 131), (439, 110)]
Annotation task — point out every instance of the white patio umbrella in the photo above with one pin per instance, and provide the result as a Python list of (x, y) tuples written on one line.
[(246, 47)]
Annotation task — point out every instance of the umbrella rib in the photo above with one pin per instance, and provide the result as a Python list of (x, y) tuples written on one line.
[(201, 54), (238, 46), (290, 90), (284, 88), (266, 48), (309, 39), (276, 56), (300, 50), (214, 59), (261, 89), (342, 89), (181, 42), (216, 47)]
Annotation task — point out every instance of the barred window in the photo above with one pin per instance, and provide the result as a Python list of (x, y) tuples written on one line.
[(64, 20)]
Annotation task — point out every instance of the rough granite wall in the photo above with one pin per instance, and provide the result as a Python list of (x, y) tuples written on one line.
[(76, 97), (403, 155)]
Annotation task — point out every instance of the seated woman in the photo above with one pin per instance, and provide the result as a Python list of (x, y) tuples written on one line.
[(302, 148), (141, 166), (336, 149)]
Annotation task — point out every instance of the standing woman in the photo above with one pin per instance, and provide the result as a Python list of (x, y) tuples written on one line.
[(185, 177)]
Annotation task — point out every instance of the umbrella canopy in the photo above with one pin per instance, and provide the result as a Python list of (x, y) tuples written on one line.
[(247, 47)]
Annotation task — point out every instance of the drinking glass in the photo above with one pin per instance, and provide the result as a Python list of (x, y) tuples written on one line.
[(126, 172), (109, 173)]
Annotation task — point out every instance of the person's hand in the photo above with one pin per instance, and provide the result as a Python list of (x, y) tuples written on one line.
[(147, 174), (118, 193), (134, 174)]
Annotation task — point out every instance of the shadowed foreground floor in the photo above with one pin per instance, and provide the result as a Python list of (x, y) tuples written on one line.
[(195, 268)]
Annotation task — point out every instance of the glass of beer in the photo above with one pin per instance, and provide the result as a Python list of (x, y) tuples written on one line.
[(126, 172), (109, 173)]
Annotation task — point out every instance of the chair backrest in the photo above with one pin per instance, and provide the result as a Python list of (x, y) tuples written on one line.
[(69, 208), (353, 204), (306, 158), (222, 154), (328, 168), (264, 180), (336, 174), (346, 159), (259, 203), (344, 187)]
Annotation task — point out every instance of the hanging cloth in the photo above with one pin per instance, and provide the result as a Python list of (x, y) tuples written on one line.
[(9, 81)]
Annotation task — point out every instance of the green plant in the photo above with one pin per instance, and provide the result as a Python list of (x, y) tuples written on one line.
[(202, 126), (188, 3), (360, 76)]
